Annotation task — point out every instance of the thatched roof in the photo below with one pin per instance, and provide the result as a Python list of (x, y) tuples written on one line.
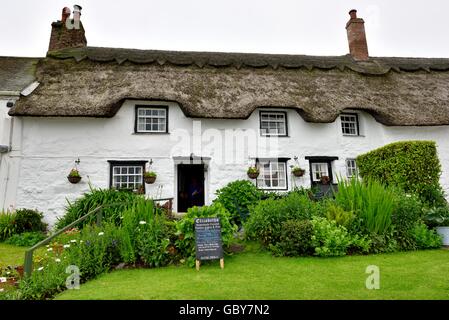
[(16, 73), (93, 82)]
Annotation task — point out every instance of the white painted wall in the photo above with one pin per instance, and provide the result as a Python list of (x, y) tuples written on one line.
[(10, 161), (48, 148)]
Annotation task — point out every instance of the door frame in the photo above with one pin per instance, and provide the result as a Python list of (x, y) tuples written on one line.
[(191, 160)]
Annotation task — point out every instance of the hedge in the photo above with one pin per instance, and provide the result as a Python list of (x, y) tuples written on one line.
[(411, 165)]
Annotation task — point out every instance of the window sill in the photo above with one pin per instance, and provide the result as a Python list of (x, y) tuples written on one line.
[(274, 136), (138, 133), (353, 135)]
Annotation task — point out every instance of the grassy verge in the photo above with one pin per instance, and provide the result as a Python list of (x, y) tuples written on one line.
[(258, 275), (11, 255)]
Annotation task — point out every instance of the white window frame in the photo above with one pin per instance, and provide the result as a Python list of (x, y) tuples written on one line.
[(351, 171), (322, 172), (261, 181), (352, 122), (275, 121), (143, 117), (124, 169)]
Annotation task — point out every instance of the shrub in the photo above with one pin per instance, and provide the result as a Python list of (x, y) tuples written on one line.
[(28, 220), (266, 218), (408, 211), (7, 225), (371, 202), (329, 239), (383, 243), (26, 239), (425, 238), (237, 197), (295, 239), (435, 217), (339, 215), (411, 165), (93, 199), (185, 229), (152, 242)]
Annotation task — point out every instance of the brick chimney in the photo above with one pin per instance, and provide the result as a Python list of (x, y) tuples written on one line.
[(68, 33), (358, 47)]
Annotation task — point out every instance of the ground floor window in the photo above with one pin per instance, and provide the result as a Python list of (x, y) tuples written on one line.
[(351, 168), (127, 175), (273, 175), (319, 169)]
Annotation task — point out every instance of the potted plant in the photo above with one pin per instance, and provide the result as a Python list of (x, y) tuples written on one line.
[(325, 179), (298, 171), (253, 172), (74, 176), (149, 177), (439, 219)]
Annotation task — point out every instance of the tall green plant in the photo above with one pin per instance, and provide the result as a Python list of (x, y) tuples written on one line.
[(95, 198), (372, 202)]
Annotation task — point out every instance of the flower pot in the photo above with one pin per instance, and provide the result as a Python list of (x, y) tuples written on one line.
[(253, 175), (20, 271), (444, 233), (299, 173), (150, 179), (74, 179), (325, 180)]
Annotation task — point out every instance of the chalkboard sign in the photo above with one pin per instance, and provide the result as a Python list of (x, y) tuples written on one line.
[(208, 239)]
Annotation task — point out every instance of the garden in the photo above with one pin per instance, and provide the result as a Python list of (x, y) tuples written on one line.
[(276, 241)]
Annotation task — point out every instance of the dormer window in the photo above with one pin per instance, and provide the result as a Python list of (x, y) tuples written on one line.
[(151, 119), (350, 124), (273, 124)]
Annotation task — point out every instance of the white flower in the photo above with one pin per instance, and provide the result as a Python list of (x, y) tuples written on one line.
[(101, 233), (58, 260), (67, 246), (81, 241), (73, 241), (50, 249), (142, 222), (40, 269), (1, 290), (2, 279)]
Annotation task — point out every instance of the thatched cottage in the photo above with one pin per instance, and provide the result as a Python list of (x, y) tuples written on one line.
[(202, 118)]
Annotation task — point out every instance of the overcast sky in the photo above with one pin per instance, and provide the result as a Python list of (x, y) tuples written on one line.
[(413, 28)]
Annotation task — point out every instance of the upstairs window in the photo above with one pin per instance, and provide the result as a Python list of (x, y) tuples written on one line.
[(351, 168), (127, 175), (272, 175), (151, 119), (273, 123), (349, 124)]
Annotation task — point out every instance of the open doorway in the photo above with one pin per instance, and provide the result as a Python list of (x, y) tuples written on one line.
[(190, 186)]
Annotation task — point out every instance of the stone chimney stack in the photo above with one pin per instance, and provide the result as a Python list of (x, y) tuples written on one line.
[(358, 47), (68, 33)]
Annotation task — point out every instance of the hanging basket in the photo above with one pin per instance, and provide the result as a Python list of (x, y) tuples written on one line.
[(299, 172), (74, 179), (253, 175), (149, 179)]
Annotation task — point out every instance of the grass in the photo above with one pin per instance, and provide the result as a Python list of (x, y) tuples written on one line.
[(258, 275), (11, 255)]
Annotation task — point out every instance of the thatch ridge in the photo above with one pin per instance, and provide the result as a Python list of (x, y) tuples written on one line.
[(94, 82)]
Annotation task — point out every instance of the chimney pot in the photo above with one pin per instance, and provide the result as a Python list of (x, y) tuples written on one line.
[(353, 14), (355, 28), (65, 14)]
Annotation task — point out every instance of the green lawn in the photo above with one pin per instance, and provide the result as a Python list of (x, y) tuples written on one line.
[(255, 275), (11, 255)]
